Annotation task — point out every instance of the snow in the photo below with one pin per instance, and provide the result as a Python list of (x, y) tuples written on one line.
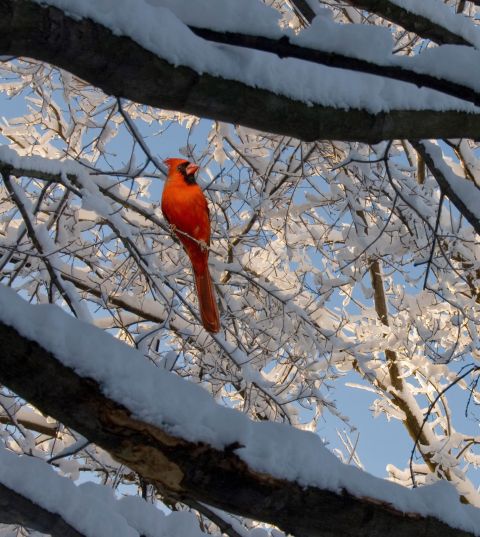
[(187, 411), (442, 14), (452, 62), (374, 44), (160, 26), (248, 16), (90, 508), (357, 40)]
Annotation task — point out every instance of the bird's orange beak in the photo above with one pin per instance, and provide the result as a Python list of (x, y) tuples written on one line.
[(191, 169)]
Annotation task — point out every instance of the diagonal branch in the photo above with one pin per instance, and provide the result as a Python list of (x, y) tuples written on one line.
[(303, 10), (410, 410), (461, 192), (192, 470), (422, 26)]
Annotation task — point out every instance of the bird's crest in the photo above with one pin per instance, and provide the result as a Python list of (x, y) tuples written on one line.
[(174, 162)]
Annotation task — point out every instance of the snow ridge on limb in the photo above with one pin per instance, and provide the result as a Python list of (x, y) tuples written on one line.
[(182, 437)]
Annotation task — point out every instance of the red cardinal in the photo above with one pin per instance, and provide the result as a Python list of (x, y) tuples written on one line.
[(185, 208)]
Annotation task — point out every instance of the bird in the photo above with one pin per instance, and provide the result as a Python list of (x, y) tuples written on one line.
[(185, 208)]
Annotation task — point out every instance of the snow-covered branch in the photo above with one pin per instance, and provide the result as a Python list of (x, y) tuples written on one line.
[(463, 193), (119, 66), (190, 447), (433, 26)]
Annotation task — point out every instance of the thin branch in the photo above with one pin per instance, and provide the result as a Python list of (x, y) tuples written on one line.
[(224, 526), (48, 429)]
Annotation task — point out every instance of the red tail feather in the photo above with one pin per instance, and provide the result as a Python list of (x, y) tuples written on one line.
[(206, 301)]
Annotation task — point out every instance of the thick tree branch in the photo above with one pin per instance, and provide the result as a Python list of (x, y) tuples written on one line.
[(417, 24), (186, 470), (121, 67), (16, 509)]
